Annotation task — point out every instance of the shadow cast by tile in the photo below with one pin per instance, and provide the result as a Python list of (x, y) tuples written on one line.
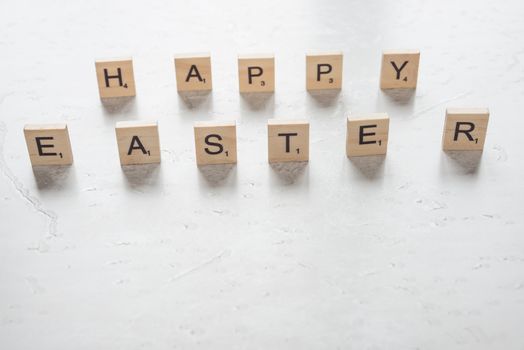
[(256, 101), (370, 167), (289, 172), (141, 175), (325, 98), (51, 177), (216, 174), (468, 162), (195, 99), (116, 105), (400, 96)]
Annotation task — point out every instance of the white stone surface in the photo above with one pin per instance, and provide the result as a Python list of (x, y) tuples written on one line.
[(418, 250)]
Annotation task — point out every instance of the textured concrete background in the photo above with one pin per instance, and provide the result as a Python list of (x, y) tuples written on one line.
[(418, 250)]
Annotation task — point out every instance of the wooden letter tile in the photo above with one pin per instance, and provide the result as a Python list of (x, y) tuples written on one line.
[(115, 78), (256, 73), (288, 141), (193, 72), (367, 134), (399, 69), (324, 71), (138, 142), (465, 129), (215, 142), (48, 144)]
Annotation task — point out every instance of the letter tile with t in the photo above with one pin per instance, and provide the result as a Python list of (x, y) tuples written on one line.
[(288, 140)]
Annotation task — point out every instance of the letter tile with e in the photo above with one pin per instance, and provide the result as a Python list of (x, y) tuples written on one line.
[(48, 144), (367, 134)]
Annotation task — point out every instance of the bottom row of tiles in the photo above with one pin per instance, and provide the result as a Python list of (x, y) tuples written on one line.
[(215, 142)]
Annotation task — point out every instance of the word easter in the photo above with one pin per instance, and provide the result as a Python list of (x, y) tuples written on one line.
[(216, 142), (288, 140)]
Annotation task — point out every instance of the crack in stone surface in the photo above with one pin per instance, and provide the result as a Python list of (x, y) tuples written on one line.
[(21, 190), (201, 265), (438, 104)]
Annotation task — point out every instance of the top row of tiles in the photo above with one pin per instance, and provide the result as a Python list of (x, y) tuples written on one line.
[(256, 73)]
